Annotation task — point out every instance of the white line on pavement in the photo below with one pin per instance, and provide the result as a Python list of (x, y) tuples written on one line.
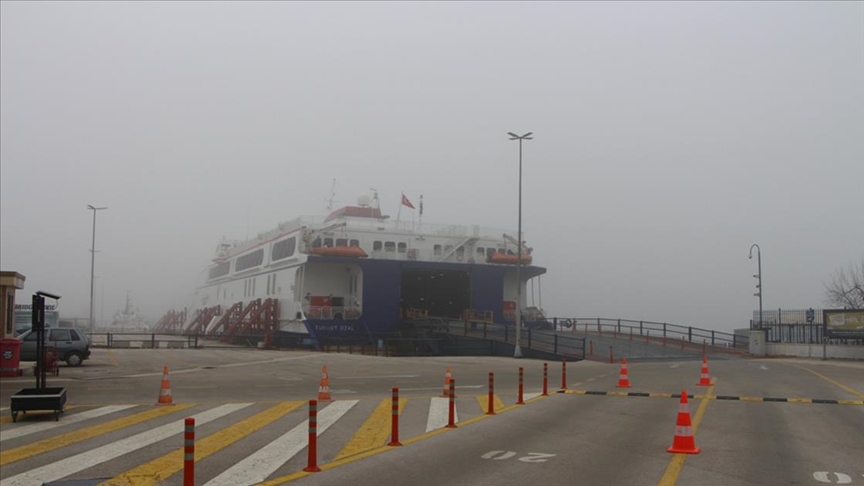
[(75, 418), (72, 465), (257, 467), (439, 413)]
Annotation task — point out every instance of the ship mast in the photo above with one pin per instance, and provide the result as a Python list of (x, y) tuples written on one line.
[(332, 196)]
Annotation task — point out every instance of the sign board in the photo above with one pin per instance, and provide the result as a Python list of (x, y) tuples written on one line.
[(844, 323)]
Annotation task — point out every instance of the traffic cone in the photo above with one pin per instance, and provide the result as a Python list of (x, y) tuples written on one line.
[(623, 380), (683, 442), (165, 390), (704, 379), (447, 379), (324, 387)]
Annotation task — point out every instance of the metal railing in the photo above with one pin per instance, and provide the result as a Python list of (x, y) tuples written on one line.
[(546, 341), (652, 331)]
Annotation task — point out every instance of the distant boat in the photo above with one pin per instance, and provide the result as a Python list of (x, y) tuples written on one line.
[(129, 319)]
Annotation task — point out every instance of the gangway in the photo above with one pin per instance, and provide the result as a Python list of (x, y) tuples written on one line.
[(203, 318)]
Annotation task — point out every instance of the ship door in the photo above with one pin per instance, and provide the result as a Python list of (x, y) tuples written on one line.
[(441, 293)]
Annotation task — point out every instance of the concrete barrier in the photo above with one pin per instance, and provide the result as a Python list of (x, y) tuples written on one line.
[(815, 350)]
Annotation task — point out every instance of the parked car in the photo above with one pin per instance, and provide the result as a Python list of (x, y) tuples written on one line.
[(72, 344)]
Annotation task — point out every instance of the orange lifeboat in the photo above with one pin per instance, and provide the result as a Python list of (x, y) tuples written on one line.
[(508, 259), (343, 251)]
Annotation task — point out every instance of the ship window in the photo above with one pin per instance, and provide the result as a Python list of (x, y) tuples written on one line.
[(283, 249), (220, 270), (460, 252), (481, 251), (436, 249), (250, 260), (376, 246), (448, 248), (403, 247), (316, 243), (342, 242), (501, 251), (354, 243), (490, 252), (328, 242), (389, 246)]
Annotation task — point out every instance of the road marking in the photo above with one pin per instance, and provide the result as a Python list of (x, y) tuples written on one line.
[(72, 419), (112, 358), (374, 432), (822, 477), (85, 460), (483, 401), (3, 409), (530, 396), (256, 467), (675, 365), (536, 457), (763, 367), (161, 468), (63, 440), (829, 380), (439, 413), (670, 476), (229, 365), (498, 455)]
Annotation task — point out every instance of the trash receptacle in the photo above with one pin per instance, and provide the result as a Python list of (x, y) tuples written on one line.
[(10, 356)]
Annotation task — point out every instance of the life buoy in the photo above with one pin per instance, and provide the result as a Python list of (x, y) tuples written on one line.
[(568, 324)]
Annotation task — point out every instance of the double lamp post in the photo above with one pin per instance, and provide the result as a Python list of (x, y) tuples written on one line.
[(517, 352)]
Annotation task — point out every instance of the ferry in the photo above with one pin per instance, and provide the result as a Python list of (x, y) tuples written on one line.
[(358, 272)]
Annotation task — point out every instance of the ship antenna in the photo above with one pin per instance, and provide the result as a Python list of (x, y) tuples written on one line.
[(332, 196)]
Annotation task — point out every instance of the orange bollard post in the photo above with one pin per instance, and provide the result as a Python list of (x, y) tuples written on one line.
[(189, 452), (451, 419), (394, 423), (491, 408), (545, 379), (519, 400), (312, 465), (563, 374)]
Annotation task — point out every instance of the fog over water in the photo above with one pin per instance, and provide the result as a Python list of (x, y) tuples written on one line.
[(669, 137)]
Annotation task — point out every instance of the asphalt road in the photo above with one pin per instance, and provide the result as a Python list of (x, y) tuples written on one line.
[(251, 407)]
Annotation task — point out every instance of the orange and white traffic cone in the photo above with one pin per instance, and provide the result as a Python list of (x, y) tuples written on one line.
[(683, 443), (324, 387), (623, 380), (704, 379), (447, 379), (165, 390)]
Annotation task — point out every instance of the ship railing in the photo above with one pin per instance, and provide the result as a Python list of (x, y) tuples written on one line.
[(478, 315)]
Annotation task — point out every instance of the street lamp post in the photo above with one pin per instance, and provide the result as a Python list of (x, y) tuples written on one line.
[(93, 262), (758, 276), (517, 352)]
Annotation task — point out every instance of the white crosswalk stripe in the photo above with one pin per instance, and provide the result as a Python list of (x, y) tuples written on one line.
[(72, 419), (439, 413), (259, 466), (71, 465)]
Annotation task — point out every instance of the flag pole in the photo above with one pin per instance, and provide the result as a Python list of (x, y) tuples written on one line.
[(399, 211)]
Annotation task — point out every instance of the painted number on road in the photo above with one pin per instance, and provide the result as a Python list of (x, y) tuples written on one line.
[(536, 457), (824, 477), (531, 457)]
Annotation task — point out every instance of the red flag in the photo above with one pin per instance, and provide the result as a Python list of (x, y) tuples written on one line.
[(406, 202)]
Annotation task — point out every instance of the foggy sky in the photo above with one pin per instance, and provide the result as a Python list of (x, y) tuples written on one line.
[(669, 137)]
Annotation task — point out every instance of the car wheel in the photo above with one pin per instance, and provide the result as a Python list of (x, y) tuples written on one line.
[(74, 359)]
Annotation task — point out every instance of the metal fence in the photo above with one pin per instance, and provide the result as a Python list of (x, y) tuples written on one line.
[(652, 331)]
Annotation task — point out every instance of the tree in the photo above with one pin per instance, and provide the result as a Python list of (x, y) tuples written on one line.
[(846, 288)]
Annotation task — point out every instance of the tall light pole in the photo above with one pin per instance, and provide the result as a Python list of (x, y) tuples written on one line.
[(93, 262), (758, 276), (517, 352)]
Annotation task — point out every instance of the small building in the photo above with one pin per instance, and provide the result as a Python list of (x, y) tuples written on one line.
[(9, 283)]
